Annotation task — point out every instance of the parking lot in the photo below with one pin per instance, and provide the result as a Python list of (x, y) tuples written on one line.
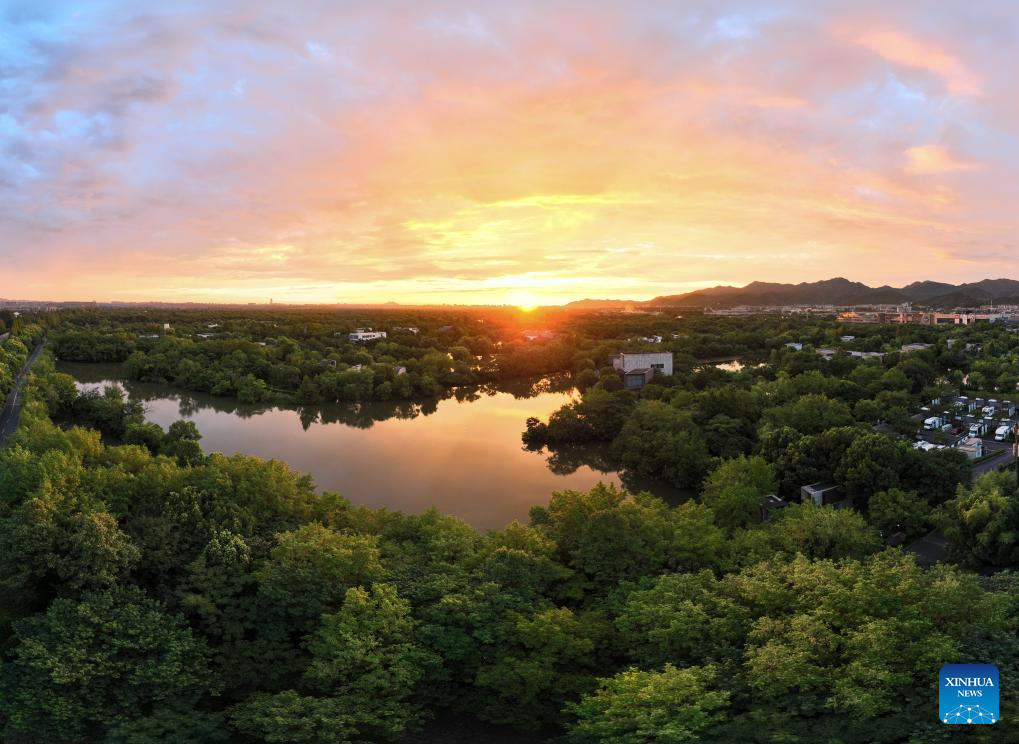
[(962, 422)]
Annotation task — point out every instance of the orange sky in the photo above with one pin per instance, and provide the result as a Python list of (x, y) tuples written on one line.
[(533, 153)]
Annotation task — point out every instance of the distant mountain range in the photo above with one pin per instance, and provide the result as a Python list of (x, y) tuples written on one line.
[(840, 291), (600, 304)]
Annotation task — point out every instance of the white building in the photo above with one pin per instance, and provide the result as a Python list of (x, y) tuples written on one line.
[(794, 345), (638, 368), (660, 361), (973, 447), (361, 335)]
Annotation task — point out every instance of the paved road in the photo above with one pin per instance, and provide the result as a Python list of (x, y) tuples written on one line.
[(11, 414), (995, 462)]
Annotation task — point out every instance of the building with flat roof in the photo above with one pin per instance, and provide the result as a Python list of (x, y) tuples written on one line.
[(659, 361), (966, 318), (824, 493), (361, 335), (771, 504), (637, 368)]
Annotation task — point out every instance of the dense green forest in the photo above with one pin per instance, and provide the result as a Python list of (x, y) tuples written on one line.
[(154, 593), (811, 419), (15, 339), (305, 356)]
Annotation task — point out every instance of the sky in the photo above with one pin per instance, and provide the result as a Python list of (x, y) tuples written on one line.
[(438, 151)]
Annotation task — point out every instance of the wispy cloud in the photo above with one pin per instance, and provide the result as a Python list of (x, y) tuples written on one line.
[(901, 48), (934, 159)]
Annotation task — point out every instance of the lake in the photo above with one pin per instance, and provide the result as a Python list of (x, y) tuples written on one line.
[(461, 454)]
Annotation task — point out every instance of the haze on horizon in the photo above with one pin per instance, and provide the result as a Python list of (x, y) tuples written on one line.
[(523, 153)]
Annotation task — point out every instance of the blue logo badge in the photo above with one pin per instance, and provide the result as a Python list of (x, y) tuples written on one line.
[(968, 693)]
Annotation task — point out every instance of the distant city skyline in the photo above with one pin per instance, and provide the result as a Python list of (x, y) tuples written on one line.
[(478, 153)]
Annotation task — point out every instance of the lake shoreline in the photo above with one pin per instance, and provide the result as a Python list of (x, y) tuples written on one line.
[(461, 454)]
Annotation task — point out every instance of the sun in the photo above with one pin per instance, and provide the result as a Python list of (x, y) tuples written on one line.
[(525, 301)]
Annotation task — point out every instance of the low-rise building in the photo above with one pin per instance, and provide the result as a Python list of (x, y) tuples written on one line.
[(829, 353), (638, 368), (635, 379), (362, 335), (770, 504), (973, 447), (866, 354), (825, 493), (659, 361), (966, 318)]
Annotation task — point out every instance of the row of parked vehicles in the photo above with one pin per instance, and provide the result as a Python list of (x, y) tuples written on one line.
[(1002, 431)]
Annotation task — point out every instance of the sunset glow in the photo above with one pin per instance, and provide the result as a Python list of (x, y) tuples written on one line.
[(457, 152)]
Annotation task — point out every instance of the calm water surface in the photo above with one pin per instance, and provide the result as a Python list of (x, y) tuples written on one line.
[(462, 455)]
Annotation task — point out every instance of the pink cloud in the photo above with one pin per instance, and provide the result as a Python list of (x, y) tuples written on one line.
[(904, 49), (934, 159)]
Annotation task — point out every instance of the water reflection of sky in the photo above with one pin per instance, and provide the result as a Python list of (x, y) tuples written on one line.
[(462, 456)]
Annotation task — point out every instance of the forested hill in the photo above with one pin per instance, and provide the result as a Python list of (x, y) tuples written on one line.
[(841, 291)]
